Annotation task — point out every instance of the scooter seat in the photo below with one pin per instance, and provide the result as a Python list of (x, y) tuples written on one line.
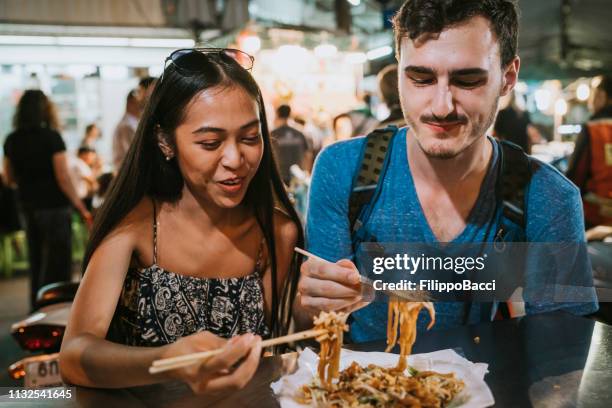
[(56, 293)]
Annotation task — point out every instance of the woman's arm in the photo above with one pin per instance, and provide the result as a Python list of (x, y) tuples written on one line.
[(91, 361), (62, 175), (88, 359)]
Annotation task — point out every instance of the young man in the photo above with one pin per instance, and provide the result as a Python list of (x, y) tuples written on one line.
[(126, 128), (455, 60), (290, 144), (125, 132)]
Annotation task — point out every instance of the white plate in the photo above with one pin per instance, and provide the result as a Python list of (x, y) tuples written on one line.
[(476, 393)]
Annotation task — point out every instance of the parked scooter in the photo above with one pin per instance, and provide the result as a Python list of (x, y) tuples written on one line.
[(41, 333)]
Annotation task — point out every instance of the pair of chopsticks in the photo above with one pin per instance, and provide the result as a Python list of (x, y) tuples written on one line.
[(159, 366), (365, 280)]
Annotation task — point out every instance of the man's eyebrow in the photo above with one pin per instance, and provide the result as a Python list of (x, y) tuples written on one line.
[(212, 129), (419, 69), (469, 71)]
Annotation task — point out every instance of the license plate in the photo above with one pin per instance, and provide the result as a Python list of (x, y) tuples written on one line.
[(42, 371)]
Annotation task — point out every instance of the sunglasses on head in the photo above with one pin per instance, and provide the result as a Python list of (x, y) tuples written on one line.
[(191, 60)]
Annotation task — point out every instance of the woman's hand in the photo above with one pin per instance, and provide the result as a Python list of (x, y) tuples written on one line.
[(219, 373)]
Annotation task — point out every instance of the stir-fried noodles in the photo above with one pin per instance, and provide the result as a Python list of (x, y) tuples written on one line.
[(375, 386), (330, 343), (403, 316)]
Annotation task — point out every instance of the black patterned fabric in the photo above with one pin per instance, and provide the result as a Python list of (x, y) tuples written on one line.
[(157, 307)]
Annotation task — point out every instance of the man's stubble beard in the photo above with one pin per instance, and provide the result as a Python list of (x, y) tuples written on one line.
[(475, 135)]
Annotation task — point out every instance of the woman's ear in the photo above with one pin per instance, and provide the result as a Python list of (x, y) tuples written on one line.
[(164, 145)]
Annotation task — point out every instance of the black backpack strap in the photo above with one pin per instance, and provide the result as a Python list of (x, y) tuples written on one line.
[(515, 171), (513, 178), (374, 160)]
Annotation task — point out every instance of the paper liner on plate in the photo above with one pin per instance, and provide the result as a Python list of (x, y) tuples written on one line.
[(476, 393)]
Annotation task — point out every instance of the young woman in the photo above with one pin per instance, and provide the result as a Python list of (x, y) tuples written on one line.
[(36, 162), (193, 245)]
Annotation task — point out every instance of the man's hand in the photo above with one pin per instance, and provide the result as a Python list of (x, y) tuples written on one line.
[(326, 286)]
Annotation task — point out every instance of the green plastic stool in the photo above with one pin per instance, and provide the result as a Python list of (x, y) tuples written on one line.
[(80, 235), (11, 259)]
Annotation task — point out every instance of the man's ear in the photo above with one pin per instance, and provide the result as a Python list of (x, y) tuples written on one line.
[(510, 76), (164, 145)]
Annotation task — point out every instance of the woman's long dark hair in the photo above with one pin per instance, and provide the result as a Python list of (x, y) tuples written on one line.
[(35, 110), (145, 172)]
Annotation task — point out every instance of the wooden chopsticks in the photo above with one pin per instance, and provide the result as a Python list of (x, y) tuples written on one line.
[(172, 363)]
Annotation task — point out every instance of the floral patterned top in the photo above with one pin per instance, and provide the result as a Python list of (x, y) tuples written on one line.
[(157, 307)]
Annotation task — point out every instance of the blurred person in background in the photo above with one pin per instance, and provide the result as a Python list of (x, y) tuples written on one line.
[(90, 140), (290, 144), (36, 162), (84, 174), (387, 86), (192, 249), (513, 124), (362, 119), (145, 89), (10, 218), (317, 130), (590, 166), (104, 182), (92, 135), (126, 128), (342, 129)]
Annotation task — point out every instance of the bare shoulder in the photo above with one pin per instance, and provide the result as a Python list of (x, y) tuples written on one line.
[(136, 224), (117, 248)]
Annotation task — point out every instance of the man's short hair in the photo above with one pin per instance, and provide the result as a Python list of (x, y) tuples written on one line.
[(387, 84), (418, 17), (283, 112), (605, 85)]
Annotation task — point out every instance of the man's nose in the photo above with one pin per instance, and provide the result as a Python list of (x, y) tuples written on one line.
[(443, 103)]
